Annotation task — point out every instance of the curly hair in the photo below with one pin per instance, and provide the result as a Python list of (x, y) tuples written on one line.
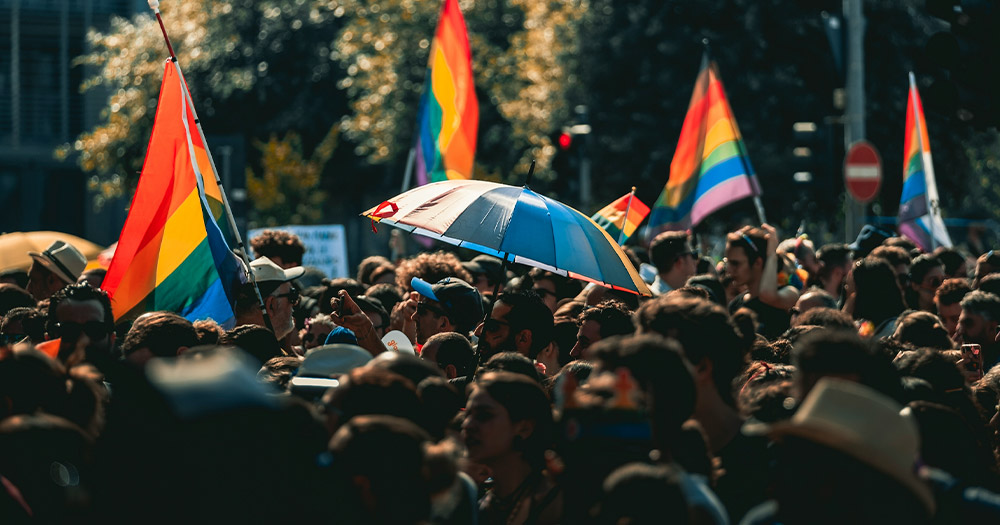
[(431, 267), (279, 244)]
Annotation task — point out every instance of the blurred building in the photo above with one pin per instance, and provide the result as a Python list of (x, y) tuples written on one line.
[(41, 107)]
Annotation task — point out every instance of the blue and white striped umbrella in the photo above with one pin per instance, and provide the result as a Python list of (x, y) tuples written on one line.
[(514, 223)]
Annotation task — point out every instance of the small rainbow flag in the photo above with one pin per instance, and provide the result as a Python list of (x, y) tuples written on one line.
[(710, 168), (612, 217), (171, 254), (448, 118), (919, 212)]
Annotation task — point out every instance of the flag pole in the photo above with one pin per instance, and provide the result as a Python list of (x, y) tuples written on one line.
[(408, 174), (760, 209), (628, 207), (155, 6)]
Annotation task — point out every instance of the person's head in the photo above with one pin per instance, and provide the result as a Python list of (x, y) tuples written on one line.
[(607, 319), (814, 298), (842, 354), (158, 334), (59, 265), (278, 292), (12, 296), (316, 329), (209, 332), (283, 248), (955, 265), (926, 275), (255, 340), (380, 461), (878, 296), (898, 258), (745, 250), (825, 317), (710, 341), (990, 284), (373, 308), (387, 293), (948, 299), (921, 328), (986, 264), (980, 317), (869, 238), (367, 266), (451, 352), (81, 318), (512, 362), (371, 390), (673, 256), (834, 265), (22, 322), (552, 287), (450, 305), (430, 267), (519, 322), (486, 272), (507, 418), (639, 493)]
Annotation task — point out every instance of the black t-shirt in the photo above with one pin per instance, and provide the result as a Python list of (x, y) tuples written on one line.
[(743, 483), (771, 321)]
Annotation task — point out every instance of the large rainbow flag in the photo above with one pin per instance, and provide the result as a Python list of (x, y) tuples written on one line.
[(919, 212), (710, 168), (171, 254), (612, 217), (448, 118)]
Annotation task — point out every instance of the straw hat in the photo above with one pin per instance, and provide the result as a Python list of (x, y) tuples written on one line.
[(62, 259), (861, 423), (264, 270)]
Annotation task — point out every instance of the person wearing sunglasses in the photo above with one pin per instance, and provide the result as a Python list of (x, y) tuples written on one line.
[(675, 261), (752, 262), (278, 292), (80, 318), (519, 322), (449, 305), (926, 275)]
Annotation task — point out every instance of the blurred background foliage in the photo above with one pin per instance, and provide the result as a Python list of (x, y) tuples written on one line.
[(340, 80)]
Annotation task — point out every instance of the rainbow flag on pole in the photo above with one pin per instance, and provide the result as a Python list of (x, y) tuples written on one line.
[(612, 217), (919, 209), (710, 168), (448, 118), (171, 254)]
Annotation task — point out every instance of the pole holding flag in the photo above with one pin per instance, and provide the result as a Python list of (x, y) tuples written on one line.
[(621, 236), (155, 6), (622, 217)]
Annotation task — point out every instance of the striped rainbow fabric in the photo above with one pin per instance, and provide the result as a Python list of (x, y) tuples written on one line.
[(919, 211), (448, 118), (612, 217), (171, 254), (710, 168)]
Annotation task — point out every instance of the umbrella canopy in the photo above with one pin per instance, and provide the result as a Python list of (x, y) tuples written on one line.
[(514, 223), (14, 247)]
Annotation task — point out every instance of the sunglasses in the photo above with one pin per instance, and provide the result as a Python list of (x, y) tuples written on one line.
[(95, 330), (292, 296), (543, 293), (423, 308), (308, 338), (494, 325), (9, 339)]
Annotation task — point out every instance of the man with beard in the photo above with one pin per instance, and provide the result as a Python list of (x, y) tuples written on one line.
[(520, 322)]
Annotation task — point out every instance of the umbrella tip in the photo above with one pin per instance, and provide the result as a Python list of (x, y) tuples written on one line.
[(531, 171)]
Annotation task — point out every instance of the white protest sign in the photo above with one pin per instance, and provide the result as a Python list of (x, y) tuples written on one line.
[(326, 246)]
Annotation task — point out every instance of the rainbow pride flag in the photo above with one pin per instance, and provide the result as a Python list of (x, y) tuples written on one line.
[(710, 168), (612, 217), (448, 118), (171, 254), (919, 212)]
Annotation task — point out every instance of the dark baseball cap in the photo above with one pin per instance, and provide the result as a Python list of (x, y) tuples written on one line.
[(869, 238), (459, 299), (485, 264)]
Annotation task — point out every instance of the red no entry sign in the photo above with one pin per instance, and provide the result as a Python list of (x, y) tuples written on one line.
[(863, 171)]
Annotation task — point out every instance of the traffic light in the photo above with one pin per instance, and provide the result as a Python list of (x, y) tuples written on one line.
[(964, 61), (812, 155)]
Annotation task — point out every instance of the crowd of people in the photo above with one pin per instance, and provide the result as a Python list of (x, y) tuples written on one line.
[(785, 383)]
